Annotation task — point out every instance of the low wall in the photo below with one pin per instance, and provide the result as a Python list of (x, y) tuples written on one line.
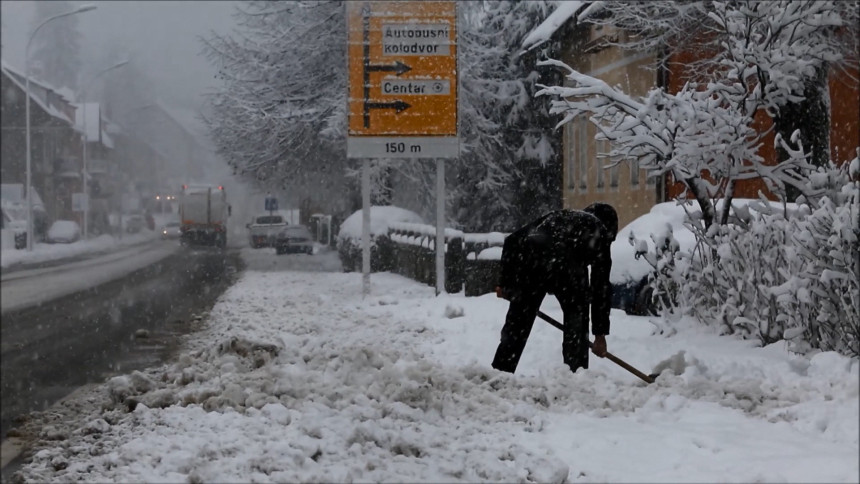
[(467, 263)]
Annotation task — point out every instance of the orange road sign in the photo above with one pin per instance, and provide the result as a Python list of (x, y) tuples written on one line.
[(402, 70)]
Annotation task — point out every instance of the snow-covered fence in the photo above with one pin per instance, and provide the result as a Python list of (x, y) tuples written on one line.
[(471, 260), (414, 254), (483, 259)]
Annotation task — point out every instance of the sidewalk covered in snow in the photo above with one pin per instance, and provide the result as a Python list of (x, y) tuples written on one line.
[(297, 377)]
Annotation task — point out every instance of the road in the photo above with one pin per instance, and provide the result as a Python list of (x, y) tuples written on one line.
[(101, 317), (24, 288)]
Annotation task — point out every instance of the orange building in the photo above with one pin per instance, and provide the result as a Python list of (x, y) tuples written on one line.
[(844, 91), (587, 178)]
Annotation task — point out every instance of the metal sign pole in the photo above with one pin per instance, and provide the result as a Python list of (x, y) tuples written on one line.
[(402, 97), (365, 227), (440, 226)]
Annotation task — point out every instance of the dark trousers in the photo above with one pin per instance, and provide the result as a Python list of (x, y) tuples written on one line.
[(521, 317)]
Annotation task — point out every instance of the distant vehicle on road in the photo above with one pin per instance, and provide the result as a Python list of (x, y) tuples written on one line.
[(264, 228), (203, 212), (133, 223), (170, 230), (64, 232), (294, 239)]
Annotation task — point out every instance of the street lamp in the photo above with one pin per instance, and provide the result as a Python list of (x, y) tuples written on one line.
[(29, 188), (85, 138)]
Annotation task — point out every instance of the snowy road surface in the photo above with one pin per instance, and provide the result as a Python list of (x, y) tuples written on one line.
[(28, 287), (297, 377), (51, 349)]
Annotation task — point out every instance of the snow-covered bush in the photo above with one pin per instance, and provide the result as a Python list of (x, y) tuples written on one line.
[(822, 301), (777, 274), (666, 259), (731, 284)]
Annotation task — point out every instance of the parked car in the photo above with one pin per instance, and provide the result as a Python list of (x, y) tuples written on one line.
[(629, 276), (64, 232), (349, 237), (133, 223), (170, 230), (294, 239)]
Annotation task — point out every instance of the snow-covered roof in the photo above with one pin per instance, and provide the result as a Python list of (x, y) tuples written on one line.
[(66, 92), (38, 91), (564, 12), (14, 193)]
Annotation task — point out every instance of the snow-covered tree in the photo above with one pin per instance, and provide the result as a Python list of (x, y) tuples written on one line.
[(55, 52), (509, 169), (281, 113), (280, 116), (783, 48), (762, 57), (771, 273)]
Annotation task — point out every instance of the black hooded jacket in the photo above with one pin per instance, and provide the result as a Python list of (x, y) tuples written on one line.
[(552, 255)]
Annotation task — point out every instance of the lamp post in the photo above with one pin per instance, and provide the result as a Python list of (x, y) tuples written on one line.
[(85, 140), (29, 188)]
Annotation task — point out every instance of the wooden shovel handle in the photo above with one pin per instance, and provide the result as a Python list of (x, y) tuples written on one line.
[(618, 361)]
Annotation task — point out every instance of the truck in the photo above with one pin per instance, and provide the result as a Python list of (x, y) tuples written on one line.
[(203, 212)]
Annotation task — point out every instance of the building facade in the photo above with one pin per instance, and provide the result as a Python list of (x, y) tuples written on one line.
[(589, 177), (55, 143)]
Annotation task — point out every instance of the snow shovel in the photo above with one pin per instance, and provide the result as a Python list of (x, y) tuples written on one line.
[(618, 361)]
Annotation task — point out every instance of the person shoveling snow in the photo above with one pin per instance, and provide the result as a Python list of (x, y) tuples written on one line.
[(552, 255)]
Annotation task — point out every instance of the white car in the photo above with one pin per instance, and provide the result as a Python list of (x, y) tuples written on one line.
[(64, 232), (666, 222), (170, 231)]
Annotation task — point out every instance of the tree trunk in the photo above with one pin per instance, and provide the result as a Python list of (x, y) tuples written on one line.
[(383, 193), (812, 117)]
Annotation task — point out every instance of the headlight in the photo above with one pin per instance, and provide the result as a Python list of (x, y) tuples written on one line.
[(164, 232)]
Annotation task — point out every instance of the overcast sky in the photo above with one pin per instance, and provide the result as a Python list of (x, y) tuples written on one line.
[(163, 35)]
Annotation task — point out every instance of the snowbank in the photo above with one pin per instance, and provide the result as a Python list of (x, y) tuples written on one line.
[(48, 252), (314, 382), (380, 219)]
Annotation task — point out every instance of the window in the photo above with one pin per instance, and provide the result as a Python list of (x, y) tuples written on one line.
[(267, 219), (650, 180), (569, 140), (582, 150), (600, 167), (606, 147), (634, 173)]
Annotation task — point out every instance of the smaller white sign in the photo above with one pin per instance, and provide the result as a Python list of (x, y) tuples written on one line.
[(416, 39), (79, 202), (403, 147)]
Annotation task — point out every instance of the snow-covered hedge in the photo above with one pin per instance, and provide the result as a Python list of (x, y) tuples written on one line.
[(775, 274)]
